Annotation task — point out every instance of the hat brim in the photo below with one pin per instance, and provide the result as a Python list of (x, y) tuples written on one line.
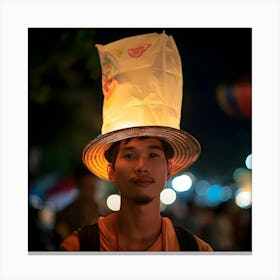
[(186, 148)]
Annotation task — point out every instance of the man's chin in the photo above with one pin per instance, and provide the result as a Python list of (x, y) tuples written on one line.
[(143, 200)]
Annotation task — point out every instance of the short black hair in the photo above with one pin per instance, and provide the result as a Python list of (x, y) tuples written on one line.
[(111, 153)]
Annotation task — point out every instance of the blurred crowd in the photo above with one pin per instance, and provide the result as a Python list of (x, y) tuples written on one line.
[(226, 227)]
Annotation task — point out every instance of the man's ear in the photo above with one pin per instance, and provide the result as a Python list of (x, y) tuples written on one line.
[(169, 169), (111, 173)]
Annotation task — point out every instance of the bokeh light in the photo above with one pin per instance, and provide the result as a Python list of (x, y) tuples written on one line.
[(167, 196), (243, 178), (36, 201), (243, 198), (226, 193), (239, 173), (182, 183), (214, 195), (201, 187), (248, 161), (235, 100), (114, 202), (47, 216)]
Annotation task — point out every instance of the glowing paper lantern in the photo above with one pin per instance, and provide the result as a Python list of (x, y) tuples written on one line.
[(141, 81)]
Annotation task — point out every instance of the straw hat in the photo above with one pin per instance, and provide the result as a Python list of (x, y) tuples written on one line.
[(142, 86)]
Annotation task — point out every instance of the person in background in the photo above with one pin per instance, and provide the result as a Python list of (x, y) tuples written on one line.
[(83, 210)]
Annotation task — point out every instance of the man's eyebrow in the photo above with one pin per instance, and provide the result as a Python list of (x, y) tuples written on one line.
[(152, 147), (156, 147), (127, 148)]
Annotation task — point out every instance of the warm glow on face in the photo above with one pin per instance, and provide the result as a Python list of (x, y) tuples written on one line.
[(141, 168)]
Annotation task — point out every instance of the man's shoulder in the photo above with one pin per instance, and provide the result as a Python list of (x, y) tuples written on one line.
[(187, 240), (203, 246), (70, 243)]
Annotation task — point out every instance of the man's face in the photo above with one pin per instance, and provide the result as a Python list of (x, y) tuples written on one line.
[(141, 169)]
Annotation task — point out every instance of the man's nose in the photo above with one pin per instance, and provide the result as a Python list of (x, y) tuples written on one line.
[(141, 165)]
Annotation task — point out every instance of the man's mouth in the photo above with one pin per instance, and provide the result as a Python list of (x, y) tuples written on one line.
[(143, 181)]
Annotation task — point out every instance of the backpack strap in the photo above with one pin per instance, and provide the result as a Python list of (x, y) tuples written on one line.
[(186, 239), (89, 238)]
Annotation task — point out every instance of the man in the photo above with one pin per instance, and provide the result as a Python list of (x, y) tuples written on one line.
[(140, 148), (140, 167)]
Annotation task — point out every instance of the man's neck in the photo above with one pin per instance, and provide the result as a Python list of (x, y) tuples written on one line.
[(138, 226)]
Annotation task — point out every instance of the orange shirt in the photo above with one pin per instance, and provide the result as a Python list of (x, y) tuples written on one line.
[(167, 240)]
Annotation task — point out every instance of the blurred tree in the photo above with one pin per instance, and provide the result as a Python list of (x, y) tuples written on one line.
[(63, 76)]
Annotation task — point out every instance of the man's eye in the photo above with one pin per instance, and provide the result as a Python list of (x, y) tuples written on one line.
[(154, 155), (129, 156)]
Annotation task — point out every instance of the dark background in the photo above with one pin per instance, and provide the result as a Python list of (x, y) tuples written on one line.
[(65, 113)]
